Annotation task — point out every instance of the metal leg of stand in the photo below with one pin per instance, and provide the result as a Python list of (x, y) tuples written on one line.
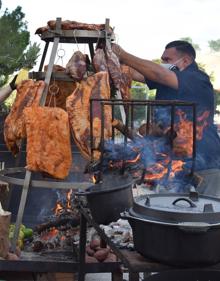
[(133, 276), (117, 276), (82, 248), (49, 70), (21, 209), (43, 56), (51, 63)]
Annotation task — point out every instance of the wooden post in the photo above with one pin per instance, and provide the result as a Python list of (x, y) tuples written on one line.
[(5, 219)]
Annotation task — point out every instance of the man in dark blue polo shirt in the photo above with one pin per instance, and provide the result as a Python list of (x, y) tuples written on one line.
[(179, 78)]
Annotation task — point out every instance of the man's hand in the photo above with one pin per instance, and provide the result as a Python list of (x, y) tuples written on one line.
[(117, 49)]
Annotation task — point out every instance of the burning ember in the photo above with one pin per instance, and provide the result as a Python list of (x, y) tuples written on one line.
[(62, 229)]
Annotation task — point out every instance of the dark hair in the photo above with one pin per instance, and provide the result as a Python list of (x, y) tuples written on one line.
[(182, 46)]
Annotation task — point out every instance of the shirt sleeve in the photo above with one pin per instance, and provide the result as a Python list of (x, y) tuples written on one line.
[(151, 84)]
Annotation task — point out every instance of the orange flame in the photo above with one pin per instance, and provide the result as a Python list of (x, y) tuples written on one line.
[(135, 159), (93, 179), (58, 208), (52, 233)]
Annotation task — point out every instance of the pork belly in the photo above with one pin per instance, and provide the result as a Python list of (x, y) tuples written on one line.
[(48, 141), (28, 94)]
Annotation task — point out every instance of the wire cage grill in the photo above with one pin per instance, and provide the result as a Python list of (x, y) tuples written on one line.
[(130, 108)]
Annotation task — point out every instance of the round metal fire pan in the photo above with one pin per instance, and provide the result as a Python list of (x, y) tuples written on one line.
[(40, 183)]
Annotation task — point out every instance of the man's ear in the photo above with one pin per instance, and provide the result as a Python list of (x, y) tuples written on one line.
[(187, 60)]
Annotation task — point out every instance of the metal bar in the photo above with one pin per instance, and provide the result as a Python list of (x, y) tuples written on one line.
[(133, 276), (82, 248), (194, 139), (169, 164), (21, 209), (60, 76), (71, 36), (122, 109), (147, 102), (148, 119), (113, 117), (172, 124), (102, 140), (117, 275), (40, 183), (51, 63), (91, 49), (43, 56), (132, 117), (91, 129)]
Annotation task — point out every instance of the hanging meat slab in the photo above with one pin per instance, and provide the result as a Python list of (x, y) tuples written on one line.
[(113, 67), (78, 108), (126, 81), (99, 61), (28, 93), (120, 74), (48, 141), (76, 66)]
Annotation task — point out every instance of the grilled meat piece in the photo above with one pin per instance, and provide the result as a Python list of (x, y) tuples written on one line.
[(99, 61), (113, 67), (28, 94), (70, 25), (120, 74), (77, 66), (48, 141), (78, 108), (126, 80)]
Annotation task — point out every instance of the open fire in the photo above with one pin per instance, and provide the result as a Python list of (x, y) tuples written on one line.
[(153, 155), (61, 230)]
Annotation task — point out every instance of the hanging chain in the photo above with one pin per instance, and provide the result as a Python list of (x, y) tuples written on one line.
[(60, 55), (53, 90)]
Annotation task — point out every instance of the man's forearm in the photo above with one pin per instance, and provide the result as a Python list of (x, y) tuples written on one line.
[(4, 93), (147, 68), (152, 71)]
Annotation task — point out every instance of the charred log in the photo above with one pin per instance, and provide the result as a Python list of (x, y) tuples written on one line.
[(73, 222)]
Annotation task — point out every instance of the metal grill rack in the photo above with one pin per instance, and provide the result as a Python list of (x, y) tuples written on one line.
[(129, 122)]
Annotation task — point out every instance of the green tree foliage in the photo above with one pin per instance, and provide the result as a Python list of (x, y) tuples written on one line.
[(188, 39), (14, 50), (214, 45), (140, 91)]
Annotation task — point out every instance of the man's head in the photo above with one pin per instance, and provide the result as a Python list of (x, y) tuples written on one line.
[(181, 53)]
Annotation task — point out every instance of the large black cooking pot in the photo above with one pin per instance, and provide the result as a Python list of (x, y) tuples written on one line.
[(107, 199), (177, 229), (185, 275)]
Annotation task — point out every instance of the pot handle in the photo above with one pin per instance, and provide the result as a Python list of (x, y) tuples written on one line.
[(194, 227), (184, 199), (125, 216)]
